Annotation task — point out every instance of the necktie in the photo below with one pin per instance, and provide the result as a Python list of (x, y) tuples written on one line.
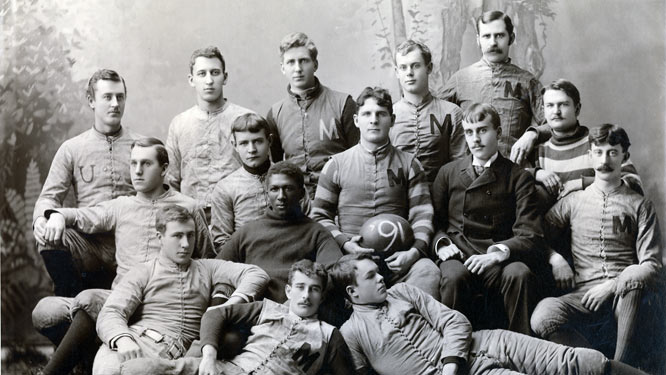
[(479, 170)]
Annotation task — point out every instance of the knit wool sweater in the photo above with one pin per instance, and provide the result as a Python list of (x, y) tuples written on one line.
[(274, 244)]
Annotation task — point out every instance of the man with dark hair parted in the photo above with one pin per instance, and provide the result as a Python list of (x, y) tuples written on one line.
[(132, 221), (242, 197), (373, 178), (514, 92), (313, 122), (426, 126), (95, 165), (616, 249), (199, 138), (489, 227), (286, 338), (155, 310), (403, 330), (284, 235)]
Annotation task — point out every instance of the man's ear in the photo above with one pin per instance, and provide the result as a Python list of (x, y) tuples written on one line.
[(429, 68), (165, 168), (316, 65), (91, 102), (499, 132), (356, 119), (351, 291), (287, 291), (392, 120), (512, 38), (226, 77), (232, 140), (190, 79), (578, 107), (159, 236)]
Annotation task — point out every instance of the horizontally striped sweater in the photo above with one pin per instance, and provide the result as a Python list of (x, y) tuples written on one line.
[(568, 158)]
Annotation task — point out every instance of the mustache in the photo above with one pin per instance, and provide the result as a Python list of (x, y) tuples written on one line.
[(494, 49), (604, 168)]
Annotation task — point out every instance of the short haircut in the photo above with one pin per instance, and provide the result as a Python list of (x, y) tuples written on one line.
[(381, 95), (210, 52), (162, 154), (494, 15), (103, 74), (410, 45), (288, 169), (250, 122), (343, 272), (567, 87), (298, 39), (170, 213), (611, 134), (310, 269), (478, 112)]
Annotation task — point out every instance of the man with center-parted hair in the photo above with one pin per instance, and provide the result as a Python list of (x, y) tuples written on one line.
[(514, 92), (155, 310), (95, 165), (199, 138), (616, 249), (242, 197), (313, 122), (283, 235), (489, 228), (372, 178), (403, 330), (426, 126), (132, 220)]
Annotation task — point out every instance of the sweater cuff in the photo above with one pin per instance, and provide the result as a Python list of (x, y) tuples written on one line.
[(422, 247), (458, 360)]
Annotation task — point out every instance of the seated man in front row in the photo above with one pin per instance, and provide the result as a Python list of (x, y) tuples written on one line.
[(616, 249), (403, 330), (489, 224), (373, 178), (286, 338), (166, 297)]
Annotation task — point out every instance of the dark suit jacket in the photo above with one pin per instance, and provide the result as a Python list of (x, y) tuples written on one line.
[(500, 206)]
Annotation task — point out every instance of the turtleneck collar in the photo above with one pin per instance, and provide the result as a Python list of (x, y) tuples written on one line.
[(581, 131), (260, 170), (293, 216)]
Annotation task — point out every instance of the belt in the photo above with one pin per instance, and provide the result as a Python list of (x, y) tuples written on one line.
[(174, 348)]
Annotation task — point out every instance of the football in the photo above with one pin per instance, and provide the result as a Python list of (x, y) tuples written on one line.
[(386, 234)]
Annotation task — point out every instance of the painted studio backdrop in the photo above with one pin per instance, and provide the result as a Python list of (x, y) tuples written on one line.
[(613, 50)]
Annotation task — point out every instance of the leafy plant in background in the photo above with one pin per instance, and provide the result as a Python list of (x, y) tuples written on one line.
[(39, 103), (457, 16)]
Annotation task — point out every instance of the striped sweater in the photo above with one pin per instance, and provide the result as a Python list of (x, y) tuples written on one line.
[(358, 184), (568, 158)]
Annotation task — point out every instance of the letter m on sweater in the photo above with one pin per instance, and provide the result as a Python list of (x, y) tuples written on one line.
[(331, 131), (304, 358), (394, 179), (625, 225), (516, 92), (445, 125)]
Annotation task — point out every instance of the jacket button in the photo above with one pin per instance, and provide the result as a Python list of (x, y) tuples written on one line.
[(488, 192), (465, 214)]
